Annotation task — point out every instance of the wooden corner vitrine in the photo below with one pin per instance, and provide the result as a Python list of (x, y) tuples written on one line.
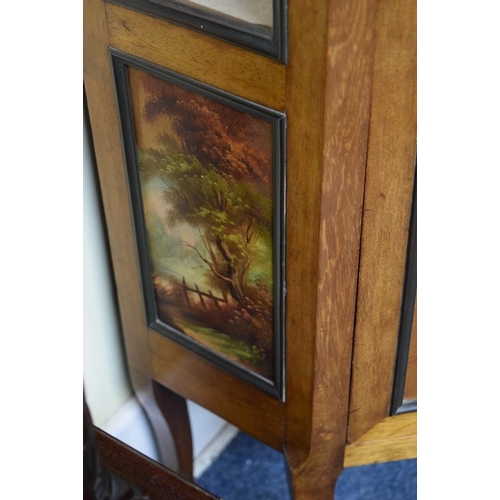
[(257, 181)]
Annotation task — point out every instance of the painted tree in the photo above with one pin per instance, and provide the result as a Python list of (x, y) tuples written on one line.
[(232, 142), (217, 172)]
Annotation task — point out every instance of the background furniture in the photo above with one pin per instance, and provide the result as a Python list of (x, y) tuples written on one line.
[(114, 471), (346, 84)]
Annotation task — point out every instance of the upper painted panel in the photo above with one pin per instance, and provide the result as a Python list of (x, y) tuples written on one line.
[(258, 25)]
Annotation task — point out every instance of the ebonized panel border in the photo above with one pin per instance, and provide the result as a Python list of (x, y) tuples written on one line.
[(398, 406), (224, 27), (121, 62)]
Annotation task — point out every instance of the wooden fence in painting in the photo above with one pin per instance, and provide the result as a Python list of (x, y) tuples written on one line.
[(202, 295)]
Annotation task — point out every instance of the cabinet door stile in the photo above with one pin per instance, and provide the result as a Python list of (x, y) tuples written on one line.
[(386, 215)]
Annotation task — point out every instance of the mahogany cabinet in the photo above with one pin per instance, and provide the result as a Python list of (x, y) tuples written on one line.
[(258, 178)]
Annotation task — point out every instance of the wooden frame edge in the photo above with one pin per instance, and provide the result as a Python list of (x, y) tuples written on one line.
[(398, 405), (106, 134)]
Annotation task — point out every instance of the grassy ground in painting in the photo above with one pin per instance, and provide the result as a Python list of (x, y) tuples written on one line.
[(234, 349), (230, 348)]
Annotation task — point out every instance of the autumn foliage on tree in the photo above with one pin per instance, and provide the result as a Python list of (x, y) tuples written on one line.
[(221, 137), (217, 172)]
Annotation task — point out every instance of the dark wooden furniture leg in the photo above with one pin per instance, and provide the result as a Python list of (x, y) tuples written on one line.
[(156, 481), (114, 471), (168, 415), (175, 412)]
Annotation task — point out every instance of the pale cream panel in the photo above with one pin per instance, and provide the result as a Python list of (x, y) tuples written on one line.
[(252, 11)]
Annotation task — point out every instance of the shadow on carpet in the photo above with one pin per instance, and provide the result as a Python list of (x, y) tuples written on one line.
[(250, 470)]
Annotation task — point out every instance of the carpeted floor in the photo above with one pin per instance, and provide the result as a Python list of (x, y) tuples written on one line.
[(249, 470)]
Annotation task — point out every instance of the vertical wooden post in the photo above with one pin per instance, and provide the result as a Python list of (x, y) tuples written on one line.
[(184, 288), (201, 296), (331, 51), (214, 300), (388, 197)]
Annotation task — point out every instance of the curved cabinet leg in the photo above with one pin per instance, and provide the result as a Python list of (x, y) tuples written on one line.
[(168, 415), (175, 412)]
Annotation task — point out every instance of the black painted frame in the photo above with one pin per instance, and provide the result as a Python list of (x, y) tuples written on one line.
[(221, 26), (121, 62), (399, 405)]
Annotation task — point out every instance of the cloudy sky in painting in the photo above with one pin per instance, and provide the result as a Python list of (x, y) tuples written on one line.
[(171, 257)]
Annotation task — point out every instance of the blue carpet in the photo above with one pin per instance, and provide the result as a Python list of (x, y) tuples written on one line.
[(250, 470)]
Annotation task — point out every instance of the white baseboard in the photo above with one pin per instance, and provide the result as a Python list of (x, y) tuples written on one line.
[(213, 449), (211, 434), (130, 425)]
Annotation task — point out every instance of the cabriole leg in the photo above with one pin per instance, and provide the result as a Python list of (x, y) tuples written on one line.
[(168, 415)]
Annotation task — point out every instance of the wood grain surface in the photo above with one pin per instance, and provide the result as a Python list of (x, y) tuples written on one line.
[(305, 110), (156, 481), (201, 57), (100, 91), (386, 215), (328, 97), (394, 438), (236, 401)]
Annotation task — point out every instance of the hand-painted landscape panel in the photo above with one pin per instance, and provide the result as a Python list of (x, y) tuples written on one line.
[(206, 175)]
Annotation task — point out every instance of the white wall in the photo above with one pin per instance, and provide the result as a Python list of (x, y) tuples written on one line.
[(105, 379)]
